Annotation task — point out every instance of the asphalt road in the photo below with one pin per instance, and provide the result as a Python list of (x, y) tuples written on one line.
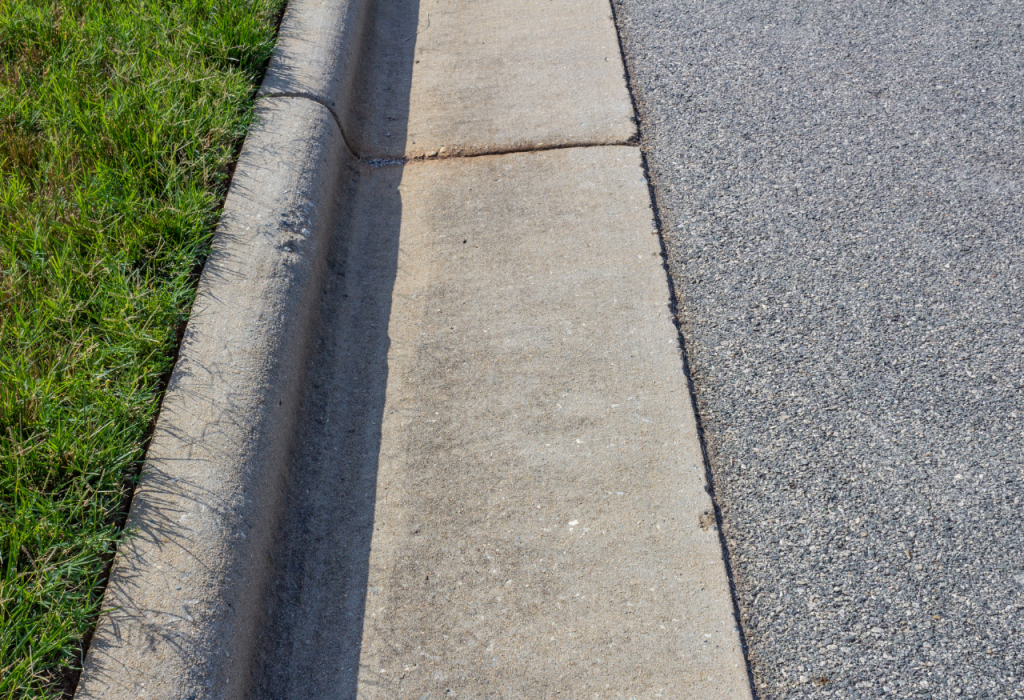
[(840, 191)]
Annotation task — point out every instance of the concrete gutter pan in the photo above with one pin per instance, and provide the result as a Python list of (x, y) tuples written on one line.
[(366, 116)]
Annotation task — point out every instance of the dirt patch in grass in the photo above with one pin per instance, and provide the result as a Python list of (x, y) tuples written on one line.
[(118, 121)]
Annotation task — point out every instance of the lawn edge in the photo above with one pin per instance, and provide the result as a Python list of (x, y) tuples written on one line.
[(185, 596)]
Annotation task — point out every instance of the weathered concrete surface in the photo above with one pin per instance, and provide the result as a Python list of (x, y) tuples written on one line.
[(485, 76), (499, 490), (188, 584)]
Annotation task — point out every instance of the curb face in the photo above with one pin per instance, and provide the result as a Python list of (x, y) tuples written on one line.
[(186, 587)]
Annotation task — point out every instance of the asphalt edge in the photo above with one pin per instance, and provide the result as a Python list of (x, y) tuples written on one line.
[(185, 596), (684, 356)]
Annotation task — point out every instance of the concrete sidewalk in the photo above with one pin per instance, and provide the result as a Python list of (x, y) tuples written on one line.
[(497, 489), (498, 405)]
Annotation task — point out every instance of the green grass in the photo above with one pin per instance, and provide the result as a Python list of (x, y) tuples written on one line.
[(118, 121)]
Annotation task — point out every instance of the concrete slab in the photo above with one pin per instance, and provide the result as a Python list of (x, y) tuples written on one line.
[(485, 76), (499, 490)]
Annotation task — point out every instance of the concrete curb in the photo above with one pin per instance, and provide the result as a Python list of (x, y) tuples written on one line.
[(318, 52), (188, 589), (185, 595)]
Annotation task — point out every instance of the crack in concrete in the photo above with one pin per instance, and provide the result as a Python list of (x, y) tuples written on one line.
[(388, 162)]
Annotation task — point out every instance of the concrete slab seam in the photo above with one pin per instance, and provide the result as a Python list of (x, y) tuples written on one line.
[(380, 162), (312, 98)]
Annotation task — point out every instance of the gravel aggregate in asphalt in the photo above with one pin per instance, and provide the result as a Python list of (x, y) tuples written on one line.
[(841, 192)]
